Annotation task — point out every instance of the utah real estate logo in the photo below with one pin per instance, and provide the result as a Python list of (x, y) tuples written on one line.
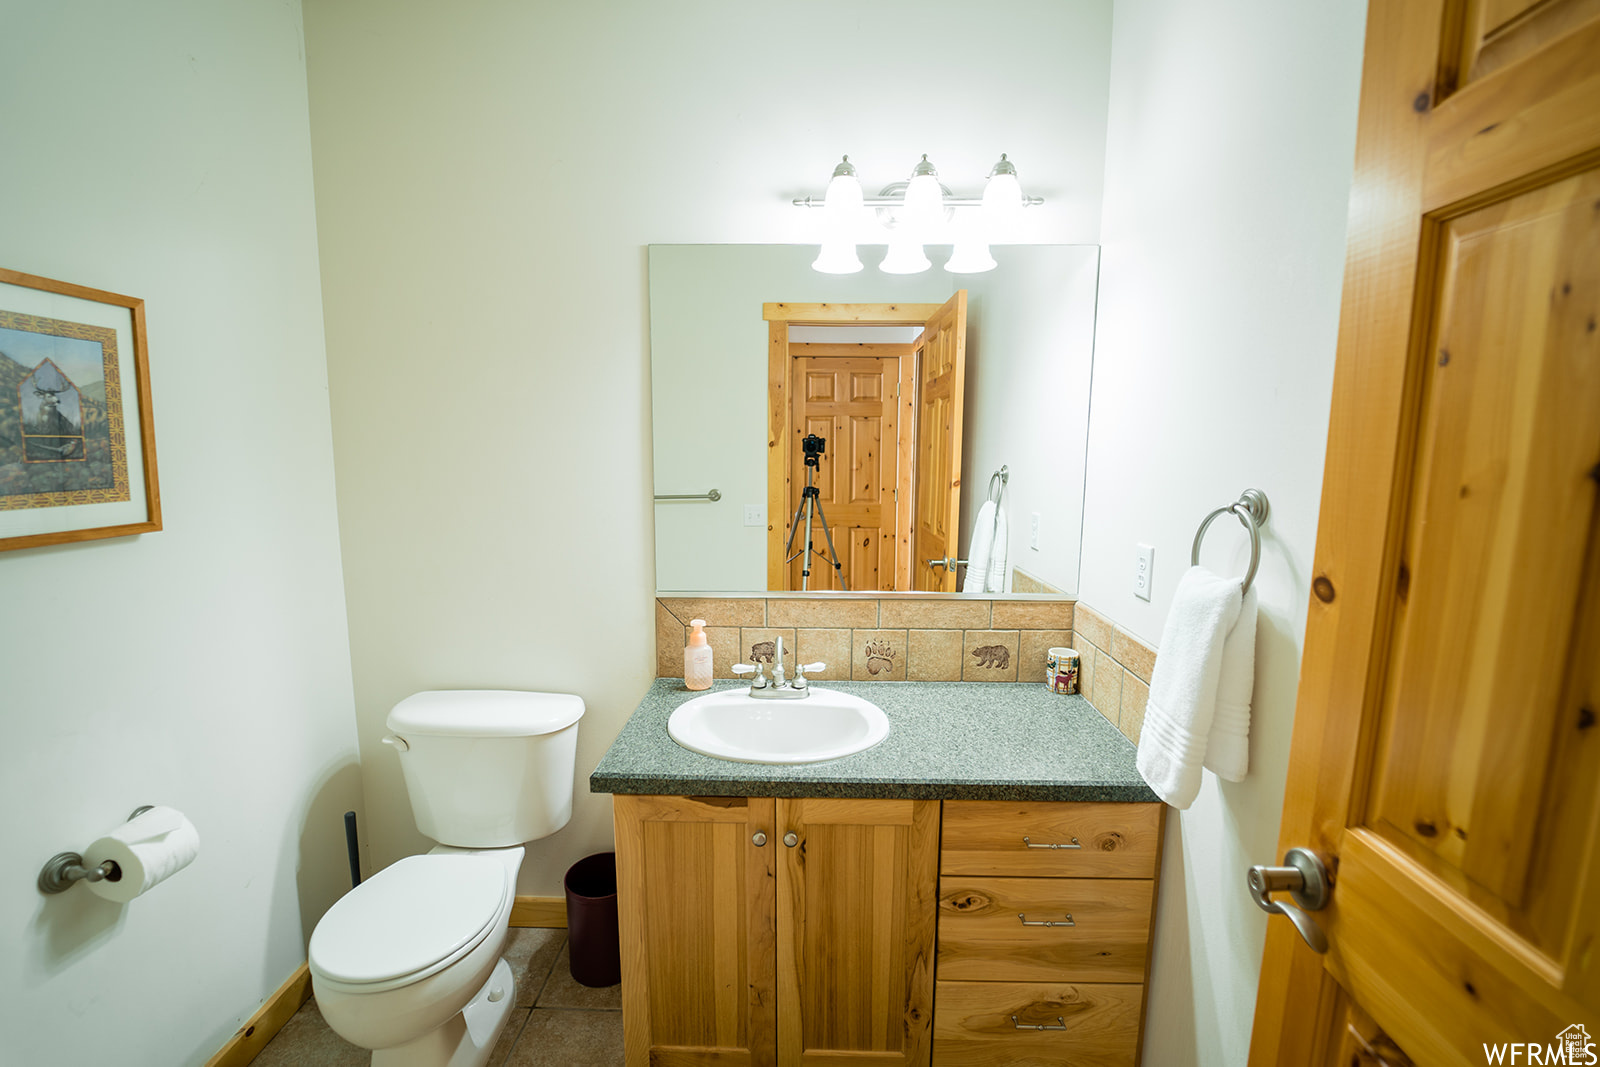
[(1573, 1046)]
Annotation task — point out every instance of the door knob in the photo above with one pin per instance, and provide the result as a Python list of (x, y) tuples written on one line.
[(1305, 878)]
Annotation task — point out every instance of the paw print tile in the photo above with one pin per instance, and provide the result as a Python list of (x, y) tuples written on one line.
[(878, 655)]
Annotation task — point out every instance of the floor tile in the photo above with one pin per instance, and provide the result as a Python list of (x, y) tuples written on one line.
[(569, 1039), (531, 951), (508, 1037), (563, 991), (306, 1040)]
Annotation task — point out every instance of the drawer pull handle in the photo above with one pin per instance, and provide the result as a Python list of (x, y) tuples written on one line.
[(1061, 1024), (1073, 844), (1045, 922)]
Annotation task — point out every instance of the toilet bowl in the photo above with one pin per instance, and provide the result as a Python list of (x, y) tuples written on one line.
[(408, 963)]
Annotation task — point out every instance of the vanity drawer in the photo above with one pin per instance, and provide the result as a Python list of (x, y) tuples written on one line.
[(982, 937), (984, 837), (973, 1027)]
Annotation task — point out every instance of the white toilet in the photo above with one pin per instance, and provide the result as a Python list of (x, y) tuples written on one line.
[(408, 963)]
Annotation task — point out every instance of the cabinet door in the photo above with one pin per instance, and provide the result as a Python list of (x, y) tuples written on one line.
[(697, 924), (857, 905)]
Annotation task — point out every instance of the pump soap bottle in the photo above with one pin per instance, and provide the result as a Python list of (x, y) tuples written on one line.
[(697, 657)]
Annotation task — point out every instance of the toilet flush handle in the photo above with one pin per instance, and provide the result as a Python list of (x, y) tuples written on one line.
[(398, 742)]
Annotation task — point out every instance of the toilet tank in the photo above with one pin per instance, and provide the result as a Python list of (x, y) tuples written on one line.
[(488, 768)]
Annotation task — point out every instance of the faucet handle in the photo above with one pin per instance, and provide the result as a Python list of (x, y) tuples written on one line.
[(800, 673), (759, 681)]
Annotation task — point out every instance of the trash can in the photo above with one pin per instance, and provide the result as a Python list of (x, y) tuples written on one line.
[(593, 947)]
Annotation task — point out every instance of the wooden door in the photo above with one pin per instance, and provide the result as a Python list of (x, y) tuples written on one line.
[(941, 385), (697, 927), (848, 395), (1445, 758), (857, 906)]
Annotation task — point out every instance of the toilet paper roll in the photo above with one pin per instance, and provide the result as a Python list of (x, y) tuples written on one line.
[(148, 850)]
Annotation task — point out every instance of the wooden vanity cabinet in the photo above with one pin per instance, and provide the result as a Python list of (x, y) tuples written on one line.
[(1045, 912), (818, 953)]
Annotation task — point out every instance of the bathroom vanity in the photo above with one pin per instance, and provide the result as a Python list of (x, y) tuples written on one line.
[(976, 889)]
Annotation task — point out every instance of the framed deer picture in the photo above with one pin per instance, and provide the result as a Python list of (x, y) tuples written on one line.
[(77, 438)]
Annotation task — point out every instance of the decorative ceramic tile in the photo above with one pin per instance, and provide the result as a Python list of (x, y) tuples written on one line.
[(1085, 664), (878, 655), (934, 614), (1023, 582), (823, 614), (1106, 695), (1032, 615), (989, 656), (760, 644), (1034, 647), (933, 655), (1133, 654), (1135, 695), (718, 611), (1093, 625), (669, 643), (724, 642), (827, 646)]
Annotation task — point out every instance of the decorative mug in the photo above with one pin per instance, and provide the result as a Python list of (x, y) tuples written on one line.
[(1061, 670)]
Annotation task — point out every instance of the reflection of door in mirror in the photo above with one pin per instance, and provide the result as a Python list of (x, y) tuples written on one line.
[(941, 385), (868, 399)]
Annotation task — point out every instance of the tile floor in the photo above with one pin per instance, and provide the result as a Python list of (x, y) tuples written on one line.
[(556, 1020)]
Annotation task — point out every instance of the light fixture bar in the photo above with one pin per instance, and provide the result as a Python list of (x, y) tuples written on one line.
[(899, 201)]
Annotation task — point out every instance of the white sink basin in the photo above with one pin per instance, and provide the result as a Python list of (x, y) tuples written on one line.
[(733, 725)]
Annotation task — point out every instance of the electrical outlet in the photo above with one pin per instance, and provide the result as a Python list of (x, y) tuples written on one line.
[(755, 515), (1142, 575), (1033, 532)]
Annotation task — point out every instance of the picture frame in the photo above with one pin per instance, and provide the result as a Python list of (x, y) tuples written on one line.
[(77, 429)]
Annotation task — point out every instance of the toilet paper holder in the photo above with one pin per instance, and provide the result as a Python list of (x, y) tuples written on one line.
[(65, 868)]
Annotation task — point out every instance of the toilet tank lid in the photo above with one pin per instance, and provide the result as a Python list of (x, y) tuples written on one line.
[(485, 713)]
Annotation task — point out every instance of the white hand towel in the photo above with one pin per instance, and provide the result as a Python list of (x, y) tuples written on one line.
[(1183, 691), (1228, 746), (979, 549), (996, 582)]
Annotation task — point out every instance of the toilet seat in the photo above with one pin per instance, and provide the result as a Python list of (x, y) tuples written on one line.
[(408, 921)]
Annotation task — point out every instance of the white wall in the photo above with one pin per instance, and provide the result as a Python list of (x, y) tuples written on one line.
[(1228, 162), (1030, 346), (488, 175), (163, 150)]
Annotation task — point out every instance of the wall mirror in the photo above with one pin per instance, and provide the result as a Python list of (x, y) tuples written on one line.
[(907, 394)]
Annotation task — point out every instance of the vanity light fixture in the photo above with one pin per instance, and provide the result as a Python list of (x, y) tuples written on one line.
[(914, 212), (842, 206)]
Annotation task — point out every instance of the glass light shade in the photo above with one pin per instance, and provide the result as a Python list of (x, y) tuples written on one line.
[(841, 204), (924, 203), (1002, 197), (971, 256), (837, 257), (905, 257)]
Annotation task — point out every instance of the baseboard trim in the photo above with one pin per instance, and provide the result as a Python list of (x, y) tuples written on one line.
[(245, 1045), (540, 911)]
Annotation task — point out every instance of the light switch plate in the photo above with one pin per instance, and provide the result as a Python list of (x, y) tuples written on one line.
[(1142, 574), (755, 515)]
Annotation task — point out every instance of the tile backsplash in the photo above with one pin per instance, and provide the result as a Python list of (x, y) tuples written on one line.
[(895, 640), (888, 640)]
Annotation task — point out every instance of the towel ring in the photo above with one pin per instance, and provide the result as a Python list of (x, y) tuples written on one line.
[(1252, 510), (1004, 476)]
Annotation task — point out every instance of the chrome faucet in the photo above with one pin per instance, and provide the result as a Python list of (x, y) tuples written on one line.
[(778, 688)]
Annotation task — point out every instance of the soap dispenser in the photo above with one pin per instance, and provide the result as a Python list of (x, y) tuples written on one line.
[(697, 657)]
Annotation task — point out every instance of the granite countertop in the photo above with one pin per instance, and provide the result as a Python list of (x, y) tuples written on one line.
[(947, 741)]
